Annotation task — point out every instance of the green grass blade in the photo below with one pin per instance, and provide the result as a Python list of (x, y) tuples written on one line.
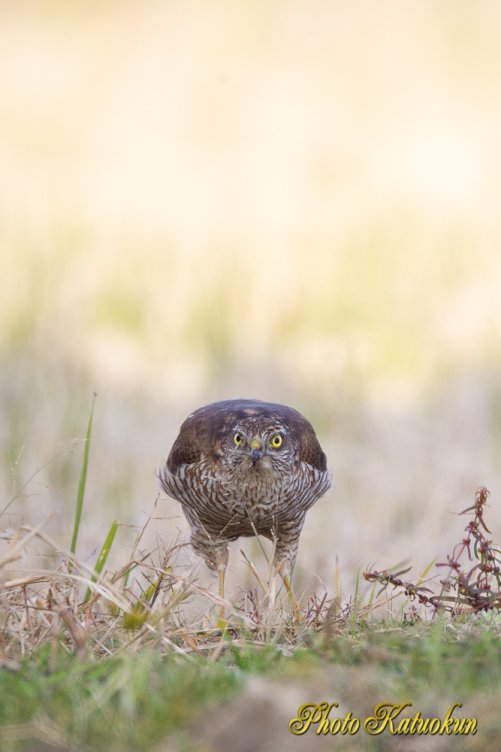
[(82, 482), (101, 559), (423, 576)]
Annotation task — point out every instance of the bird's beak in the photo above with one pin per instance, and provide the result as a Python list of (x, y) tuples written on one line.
[(256, 451)]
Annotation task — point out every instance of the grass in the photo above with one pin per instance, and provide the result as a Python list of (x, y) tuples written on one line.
[(122, 702), (94, 659), (82, 483), (133, 699)]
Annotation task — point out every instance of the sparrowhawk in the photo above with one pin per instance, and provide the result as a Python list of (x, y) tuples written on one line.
[(244, 467)]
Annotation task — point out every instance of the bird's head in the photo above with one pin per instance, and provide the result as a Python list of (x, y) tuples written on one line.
[(252, 446)]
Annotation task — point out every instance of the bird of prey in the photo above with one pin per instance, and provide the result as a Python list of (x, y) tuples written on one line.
[(244, 467)]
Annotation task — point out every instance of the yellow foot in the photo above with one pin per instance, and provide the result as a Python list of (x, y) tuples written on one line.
[(222, 623)]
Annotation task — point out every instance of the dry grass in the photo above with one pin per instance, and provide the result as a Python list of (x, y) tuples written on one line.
[(134, 662), (97, 612), (141, 604)]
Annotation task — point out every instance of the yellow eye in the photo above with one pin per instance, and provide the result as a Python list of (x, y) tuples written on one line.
[(238, 439), (276, 441)]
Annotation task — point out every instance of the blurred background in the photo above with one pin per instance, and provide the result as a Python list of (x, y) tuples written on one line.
[(292, 201)]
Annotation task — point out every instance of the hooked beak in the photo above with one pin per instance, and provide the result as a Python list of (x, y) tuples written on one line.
[(256, 451)]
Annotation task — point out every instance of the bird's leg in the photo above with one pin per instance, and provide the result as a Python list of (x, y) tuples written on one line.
[(285, 556), (215, 553), (220, 557)]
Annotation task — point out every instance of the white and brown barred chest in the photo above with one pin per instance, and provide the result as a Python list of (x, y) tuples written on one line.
[(243, 503)]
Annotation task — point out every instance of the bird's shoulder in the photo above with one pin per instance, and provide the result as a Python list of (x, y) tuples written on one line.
[(310, 450), (199, 438)]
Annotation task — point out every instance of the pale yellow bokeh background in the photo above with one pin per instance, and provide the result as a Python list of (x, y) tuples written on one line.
[(287, 200)]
